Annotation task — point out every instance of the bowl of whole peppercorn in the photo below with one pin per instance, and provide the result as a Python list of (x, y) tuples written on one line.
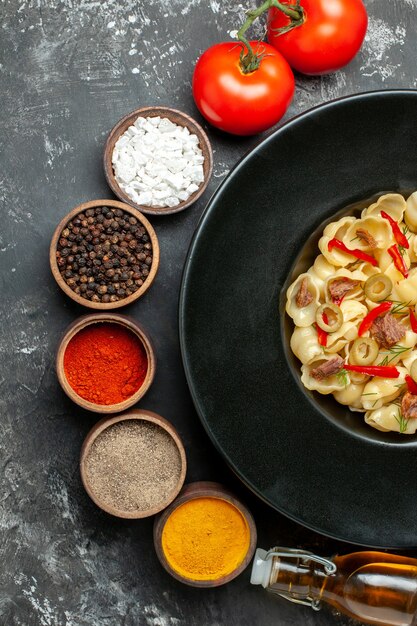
[(104, 254)]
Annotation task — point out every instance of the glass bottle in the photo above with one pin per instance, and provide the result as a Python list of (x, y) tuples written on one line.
[(372, 587)]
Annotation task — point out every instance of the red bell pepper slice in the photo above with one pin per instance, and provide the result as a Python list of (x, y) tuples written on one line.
[(384, 371), (411, 385), (322, 334), (399, 236), (336, 243), (369, 319), (413, 321), (399, 262)]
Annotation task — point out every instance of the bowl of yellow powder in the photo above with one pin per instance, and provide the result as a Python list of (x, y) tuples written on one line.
[(206, 537)]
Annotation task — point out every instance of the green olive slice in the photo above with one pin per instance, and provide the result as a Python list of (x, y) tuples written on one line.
[(378, 287), (333, 314), (413, 370), (364, 351)]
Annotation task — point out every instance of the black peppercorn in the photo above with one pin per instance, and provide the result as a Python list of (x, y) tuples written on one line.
[(104, 254)]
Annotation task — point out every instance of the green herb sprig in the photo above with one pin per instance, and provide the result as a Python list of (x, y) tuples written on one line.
[(343, 377), (402, 421), (394, 351)]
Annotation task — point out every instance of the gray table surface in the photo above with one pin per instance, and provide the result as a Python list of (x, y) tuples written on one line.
[(69, 69)]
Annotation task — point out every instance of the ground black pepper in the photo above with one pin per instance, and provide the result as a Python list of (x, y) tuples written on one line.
[(133, 465), (104, 254)]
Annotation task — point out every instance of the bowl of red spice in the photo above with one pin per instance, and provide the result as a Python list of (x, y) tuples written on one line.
[(133, 465), (105, 362), (104, 254)]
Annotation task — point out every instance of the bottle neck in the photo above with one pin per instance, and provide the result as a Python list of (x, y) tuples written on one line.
[(296, 575)]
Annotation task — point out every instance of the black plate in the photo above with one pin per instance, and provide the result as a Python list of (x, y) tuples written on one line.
[(315, 463)]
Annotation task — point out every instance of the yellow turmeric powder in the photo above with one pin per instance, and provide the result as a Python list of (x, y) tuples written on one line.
[(205, 538)]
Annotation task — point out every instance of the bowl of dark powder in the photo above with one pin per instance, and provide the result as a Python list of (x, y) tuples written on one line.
[(133, 465)]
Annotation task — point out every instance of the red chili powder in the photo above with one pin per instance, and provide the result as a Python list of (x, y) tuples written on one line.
[(105, 363)]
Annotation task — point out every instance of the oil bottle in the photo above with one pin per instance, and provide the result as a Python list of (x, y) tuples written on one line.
[(372, 587)]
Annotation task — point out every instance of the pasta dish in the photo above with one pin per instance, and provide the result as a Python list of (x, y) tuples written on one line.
[(354, 312)]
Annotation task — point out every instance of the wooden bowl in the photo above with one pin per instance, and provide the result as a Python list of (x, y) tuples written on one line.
[(94, 318), (204, 489), (104, 305), (177, 117), (143, 415)]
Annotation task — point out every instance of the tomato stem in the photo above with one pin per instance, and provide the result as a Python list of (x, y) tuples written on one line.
[(249, 60)]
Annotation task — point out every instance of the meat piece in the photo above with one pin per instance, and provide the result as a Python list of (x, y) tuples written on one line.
[(303, 297), (386, 330), (366, 236), (409, 406), (339, 287), (328, 368)]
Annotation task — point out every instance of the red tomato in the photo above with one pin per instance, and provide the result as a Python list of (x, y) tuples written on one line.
[(242, 104), (331, 35)]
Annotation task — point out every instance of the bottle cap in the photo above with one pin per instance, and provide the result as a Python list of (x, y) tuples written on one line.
[(261, 568)]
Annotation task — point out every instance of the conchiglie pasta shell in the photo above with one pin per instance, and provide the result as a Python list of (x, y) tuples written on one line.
[(350, 395), (353, 310), (306, 315), (322, 267), (386, 419), (411, 212), (336, 230), (367, 269), (379, 391), (319, 271), (305, 345), (336, 341), (407, 289), (376, 226), (342, 272), (326, 386), (392, 203)]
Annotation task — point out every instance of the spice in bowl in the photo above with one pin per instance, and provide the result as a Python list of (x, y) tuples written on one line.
[(158, 163), (105, 254), (133, 465), (105, 362), (206, 537)]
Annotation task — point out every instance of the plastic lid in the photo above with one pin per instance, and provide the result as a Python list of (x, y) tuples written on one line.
[(261, 568)]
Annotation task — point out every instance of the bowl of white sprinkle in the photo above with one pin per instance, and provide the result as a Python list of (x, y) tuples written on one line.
[(158, 160)]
